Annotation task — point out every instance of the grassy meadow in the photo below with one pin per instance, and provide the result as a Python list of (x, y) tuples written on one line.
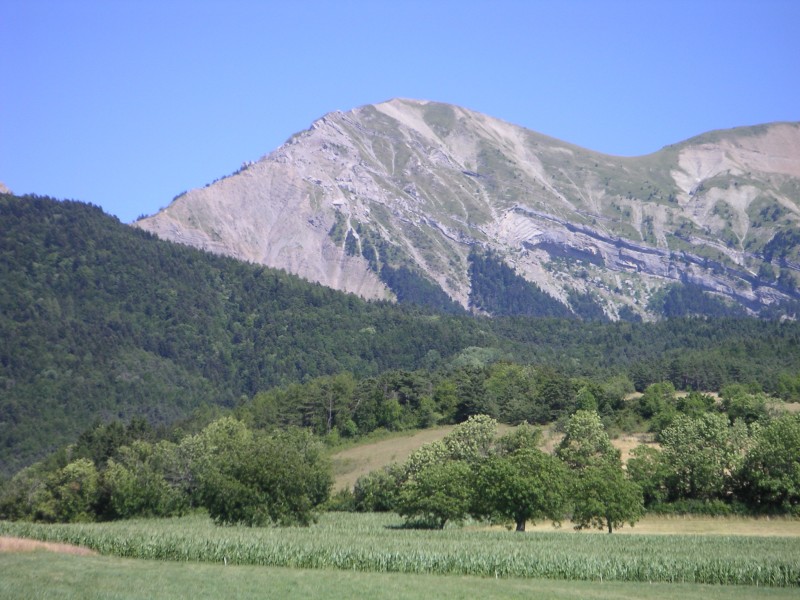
[(41, 574)]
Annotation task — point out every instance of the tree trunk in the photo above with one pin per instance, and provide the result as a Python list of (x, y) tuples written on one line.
[(521, 525), (608, 521)]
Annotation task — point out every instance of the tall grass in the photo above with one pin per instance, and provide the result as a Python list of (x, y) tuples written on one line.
[(377, 543)]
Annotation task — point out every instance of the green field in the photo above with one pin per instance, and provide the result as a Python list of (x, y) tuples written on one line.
[(28, 576), (378, 543)]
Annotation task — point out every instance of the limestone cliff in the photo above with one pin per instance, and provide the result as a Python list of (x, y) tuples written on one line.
[(419, 184)]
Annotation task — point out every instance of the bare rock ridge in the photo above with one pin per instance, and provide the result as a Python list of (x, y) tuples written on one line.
[(418, 186)]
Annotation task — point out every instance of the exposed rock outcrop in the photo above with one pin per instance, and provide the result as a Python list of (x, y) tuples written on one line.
[(418, 184)]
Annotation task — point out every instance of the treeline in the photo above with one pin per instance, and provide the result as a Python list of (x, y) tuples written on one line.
[(497, 290), (705, 464), (344, 405), (692, 353), (680, 300), (735, 456), (236, 474)]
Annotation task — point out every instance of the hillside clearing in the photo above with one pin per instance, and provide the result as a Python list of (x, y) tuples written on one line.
[(352, 463)]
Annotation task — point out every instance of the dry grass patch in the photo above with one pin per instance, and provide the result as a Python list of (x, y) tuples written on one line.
[(14, 544), (350, 464), (624, 443), (698, 525), (627, 442)]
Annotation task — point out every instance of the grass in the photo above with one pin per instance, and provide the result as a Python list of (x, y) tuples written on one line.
[(41, 574), (377, 543)]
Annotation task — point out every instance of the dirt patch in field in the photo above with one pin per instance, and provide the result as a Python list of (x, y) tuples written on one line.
[(12, 544)]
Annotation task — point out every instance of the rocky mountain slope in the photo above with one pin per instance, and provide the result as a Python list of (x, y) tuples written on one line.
[(387, 199)]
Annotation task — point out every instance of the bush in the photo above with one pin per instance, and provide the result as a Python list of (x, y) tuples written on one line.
[(376, 491), (256, 478), (342, 501)]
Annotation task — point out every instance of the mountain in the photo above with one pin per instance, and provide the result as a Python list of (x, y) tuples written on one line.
[(408, 199)]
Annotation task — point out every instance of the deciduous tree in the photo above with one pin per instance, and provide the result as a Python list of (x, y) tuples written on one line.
[(439, 493), (526, 485), (769, 478), (605, 498), (586, 442), (701, 455)]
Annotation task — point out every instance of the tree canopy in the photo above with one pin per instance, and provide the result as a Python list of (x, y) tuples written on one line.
[(526, 485), (604, 497)]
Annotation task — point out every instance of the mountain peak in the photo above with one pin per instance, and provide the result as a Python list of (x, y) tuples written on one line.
[(393, 200)]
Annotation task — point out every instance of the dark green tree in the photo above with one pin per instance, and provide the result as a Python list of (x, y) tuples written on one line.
[(586, 442), (522, 437), (255, 478), (769, 478), (71, 493), (511, 388), (527, 485), (647, 469), (145, 480), (605, 498), (439, 493), (744, 404), (656, 398), (377, 491)]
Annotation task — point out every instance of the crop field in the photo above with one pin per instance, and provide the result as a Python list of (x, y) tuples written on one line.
[(379, 543)]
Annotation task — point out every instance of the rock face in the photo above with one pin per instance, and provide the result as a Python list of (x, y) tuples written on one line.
[(420, 184)]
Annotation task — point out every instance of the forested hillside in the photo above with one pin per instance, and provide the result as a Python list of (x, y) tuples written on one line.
[(100, 321)]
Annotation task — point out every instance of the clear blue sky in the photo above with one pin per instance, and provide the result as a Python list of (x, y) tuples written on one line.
[(126, 103)]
